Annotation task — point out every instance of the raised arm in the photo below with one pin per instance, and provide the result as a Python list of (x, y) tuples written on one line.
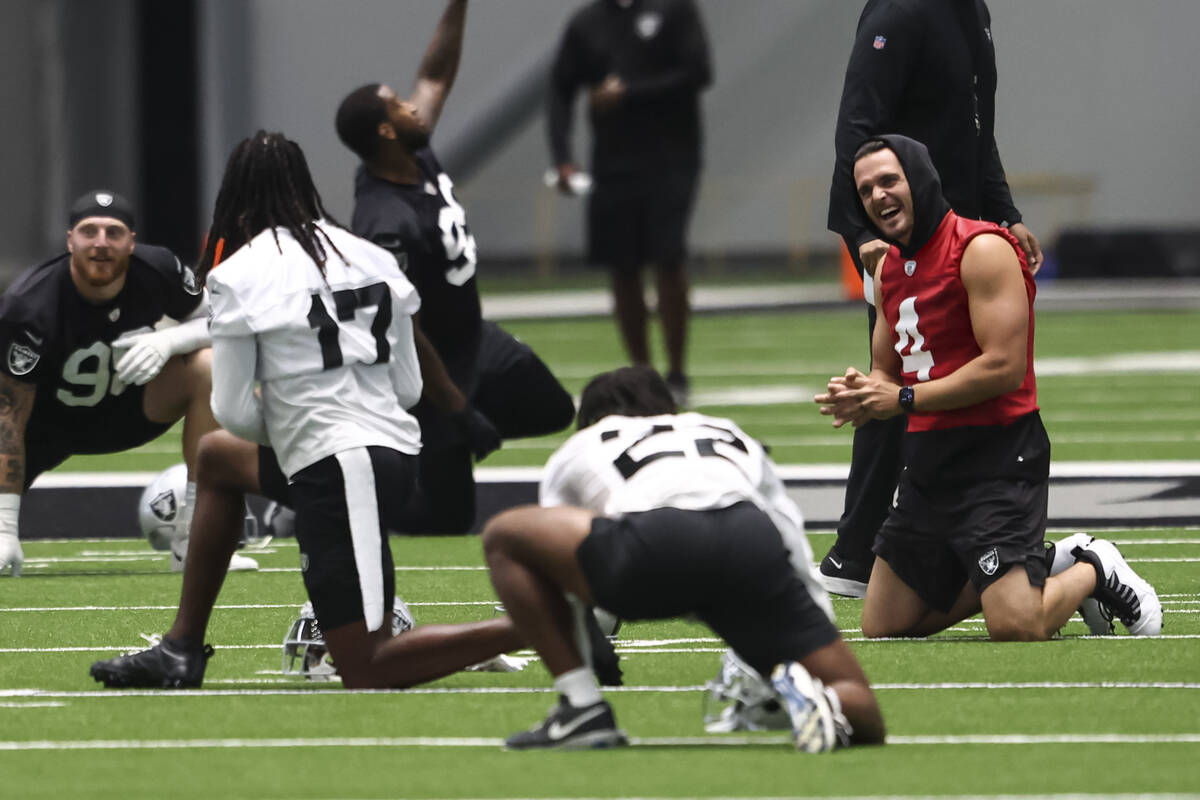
[(16, 404), (435, 77)]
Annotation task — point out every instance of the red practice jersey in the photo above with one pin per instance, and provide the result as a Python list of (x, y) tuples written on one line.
[(925, 305)]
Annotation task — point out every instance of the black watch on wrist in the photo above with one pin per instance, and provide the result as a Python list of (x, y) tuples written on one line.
[(906, 398)]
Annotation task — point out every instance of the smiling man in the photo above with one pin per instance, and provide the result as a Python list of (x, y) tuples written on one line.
[(965, 531), (83, 368)]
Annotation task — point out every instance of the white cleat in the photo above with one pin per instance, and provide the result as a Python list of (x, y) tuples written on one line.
[(1097, 618), (1120, 591), (815, 722)]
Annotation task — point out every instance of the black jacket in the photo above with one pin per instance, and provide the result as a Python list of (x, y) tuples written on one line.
[(925, 69), (660, 51)]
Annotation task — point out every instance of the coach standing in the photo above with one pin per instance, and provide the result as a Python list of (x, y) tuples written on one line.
[(925, 69), (645, 63)]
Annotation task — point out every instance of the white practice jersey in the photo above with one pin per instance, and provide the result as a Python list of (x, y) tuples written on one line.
[(622, 465), (334, 353)]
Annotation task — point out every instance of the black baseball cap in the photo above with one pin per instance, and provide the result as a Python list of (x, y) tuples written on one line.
[(101, 203)]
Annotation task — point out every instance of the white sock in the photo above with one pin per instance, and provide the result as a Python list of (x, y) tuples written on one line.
[(183, 525), (579, 687)]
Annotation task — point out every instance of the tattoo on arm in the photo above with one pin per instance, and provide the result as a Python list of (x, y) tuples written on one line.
[(16, 404)]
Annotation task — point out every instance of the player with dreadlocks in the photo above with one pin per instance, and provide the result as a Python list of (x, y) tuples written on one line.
[(323, 321)]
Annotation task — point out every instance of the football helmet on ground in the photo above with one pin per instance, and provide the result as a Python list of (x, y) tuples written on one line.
[(304, 651), (160, 508), (739, 699)]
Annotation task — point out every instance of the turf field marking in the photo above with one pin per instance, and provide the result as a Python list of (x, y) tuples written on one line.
[(300, 687), (295, 605), (661, 741), (648, 649), (1039, 796)]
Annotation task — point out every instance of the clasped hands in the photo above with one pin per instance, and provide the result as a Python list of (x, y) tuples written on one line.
[(856, 398)]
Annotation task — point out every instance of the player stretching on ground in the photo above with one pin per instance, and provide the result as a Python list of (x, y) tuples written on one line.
[(651, 514)]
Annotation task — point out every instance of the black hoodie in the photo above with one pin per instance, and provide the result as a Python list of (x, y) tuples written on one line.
[(927, 69), (929, 204)]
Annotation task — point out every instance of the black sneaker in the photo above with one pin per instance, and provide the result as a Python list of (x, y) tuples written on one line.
[(605, 661), (166, 665), (571, 728), (845, 576)]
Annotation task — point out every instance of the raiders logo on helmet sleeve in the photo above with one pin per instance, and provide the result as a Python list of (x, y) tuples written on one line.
[(22, 358)]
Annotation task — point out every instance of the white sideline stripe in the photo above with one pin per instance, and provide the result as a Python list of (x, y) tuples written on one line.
[(303, 688), (398, 569), (296, 605), (1058, 469), (1039, 796), (640, 648), (33, 705), (672, 741)]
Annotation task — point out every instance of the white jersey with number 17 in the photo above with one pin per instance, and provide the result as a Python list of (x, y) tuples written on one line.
[(334, 353)]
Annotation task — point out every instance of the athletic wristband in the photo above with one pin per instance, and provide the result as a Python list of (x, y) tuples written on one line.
[(10, 513), (906, 398)]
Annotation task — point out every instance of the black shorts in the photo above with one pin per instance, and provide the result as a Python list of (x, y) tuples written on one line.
[(117, 425), (510, 385), (641, 220), (342, 504), (728, 567), (937, 540)]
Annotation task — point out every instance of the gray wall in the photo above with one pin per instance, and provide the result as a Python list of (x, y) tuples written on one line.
[(1097, 105)]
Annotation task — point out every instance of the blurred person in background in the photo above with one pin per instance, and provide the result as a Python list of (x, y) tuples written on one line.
[(925, 69), (643, 64)]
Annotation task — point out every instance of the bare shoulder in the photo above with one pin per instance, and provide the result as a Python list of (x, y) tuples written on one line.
[(990, 248)]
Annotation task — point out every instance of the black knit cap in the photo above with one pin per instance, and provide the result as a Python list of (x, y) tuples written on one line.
[(101, 203)]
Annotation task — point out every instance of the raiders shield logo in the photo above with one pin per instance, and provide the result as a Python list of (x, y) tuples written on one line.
[(910, 267), (104, 199), (648, 24), (164, 506), (22, 359), (989, 562), (190, 284)]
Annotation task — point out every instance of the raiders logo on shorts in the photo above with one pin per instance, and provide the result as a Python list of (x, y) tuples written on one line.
[(989, 562), (22, 358)]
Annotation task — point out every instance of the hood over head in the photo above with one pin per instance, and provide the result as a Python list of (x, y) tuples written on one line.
[(929, 205)]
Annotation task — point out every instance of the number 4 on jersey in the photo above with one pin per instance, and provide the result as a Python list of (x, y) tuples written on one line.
[(917, 359)]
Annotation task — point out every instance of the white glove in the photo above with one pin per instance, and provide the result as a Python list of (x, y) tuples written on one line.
[(145, 356), (11, 554), (148, 351), (10, 546)]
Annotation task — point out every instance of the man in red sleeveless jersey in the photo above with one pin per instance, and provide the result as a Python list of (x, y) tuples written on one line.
[(966, 529)]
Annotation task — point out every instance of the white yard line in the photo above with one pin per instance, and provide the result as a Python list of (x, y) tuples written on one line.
[(297, 687), (673, 741)]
